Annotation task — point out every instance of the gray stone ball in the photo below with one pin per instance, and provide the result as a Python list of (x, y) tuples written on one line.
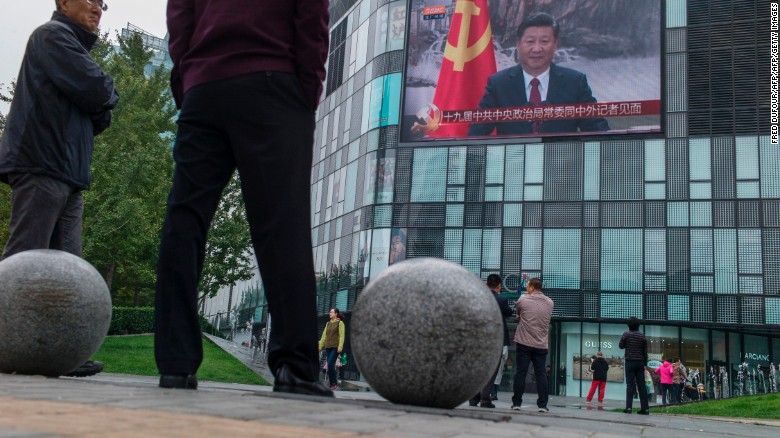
[(55, 309), (427, 332)]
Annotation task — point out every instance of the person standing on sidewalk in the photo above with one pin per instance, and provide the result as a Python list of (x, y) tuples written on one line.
[(666, 371), (534, 311), (599, 367), (483, 397), (247, 77), (63, 99), (678, 380), (635, 344), (332, 341)]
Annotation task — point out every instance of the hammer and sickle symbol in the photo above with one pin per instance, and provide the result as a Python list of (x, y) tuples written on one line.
[(463, 53), (431, 115)]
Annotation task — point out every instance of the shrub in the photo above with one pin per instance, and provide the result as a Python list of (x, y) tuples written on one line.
[(131, 320), (207, 327), (137, 320)]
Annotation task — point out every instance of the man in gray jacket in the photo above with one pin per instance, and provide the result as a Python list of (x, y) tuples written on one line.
[(62, 100), (534, 311)]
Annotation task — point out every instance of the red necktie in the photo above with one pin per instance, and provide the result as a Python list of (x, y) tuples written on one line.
[(536, 100)]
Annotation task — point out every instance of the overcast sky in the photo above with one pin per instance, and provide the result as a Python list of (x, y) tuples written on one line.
[(20, 17)]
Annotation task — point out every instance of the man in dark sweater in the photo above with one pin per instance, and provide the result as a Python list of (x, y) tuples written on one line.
[(599, 367), (635, 344), (247, 78)]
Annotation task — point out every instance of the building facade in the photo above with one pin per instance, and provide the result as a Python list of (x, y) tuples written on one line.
[(158, 46), (680, 229)]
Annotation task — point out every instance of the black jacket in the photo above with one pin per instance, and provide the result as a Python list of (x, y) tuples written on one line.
[(635, 344), (506, 311), (600, 367), (62, 100)]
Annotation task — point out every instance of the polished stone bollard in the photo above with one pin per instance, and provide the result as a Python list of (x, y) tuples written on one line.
[(427, 332), (55, 310)]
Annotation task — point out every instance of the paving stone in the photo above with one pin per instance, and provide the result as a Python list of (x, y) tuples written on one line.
[(120, 404)]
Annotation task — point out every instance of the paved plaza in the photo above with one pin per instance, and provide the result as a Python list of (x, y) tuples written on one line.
[(112, 405)]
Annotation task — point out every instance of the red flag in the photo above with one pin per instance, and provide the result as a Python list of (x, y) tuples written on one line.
[(469, 59)]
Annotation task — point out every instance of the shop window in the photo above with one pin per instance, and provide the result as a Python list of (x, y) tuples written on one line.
[(694, 349), (663, 343)]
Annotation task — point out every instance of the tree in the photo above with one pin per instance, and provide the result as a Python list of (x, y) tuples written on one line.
[(7, 99), (229, 257), (132, 169), (5, 190)]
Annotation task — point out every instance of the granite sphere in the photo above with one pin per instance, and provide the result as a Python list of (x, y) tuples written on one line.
[(55, 310), (427, 332)]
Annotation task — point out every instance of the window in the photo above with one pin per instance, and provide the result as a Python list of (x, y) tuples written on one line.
[(621, 259)]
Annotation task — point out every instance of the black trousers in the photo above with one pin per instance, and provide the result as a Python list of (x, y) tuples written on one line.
[(484, 394), (261, 125), (635, 381), (524, 357)]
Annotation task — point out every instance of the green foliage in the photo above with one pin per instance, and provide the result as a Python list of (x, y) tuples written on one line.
[(135, 355), (5, 213), (139, 320), (7, 99), (229, 248), (132, 169), (207, 327), (131, 320), (755, 406), (5, 191)]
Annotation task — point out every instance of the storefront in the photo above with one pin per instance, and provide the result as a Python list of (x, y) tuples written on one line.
[(704, 353)]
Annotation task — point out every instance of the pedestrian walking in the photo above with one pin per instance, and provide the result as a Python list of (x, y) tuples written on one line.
[(332, 341)]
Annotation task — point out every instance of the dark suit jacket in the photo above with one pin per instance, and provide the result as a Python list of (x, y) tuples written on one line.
[(507, 89), (506, 311)]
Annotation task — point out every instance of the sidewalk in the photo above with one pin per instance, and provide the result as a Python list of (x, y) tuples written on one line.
[(112, 405)]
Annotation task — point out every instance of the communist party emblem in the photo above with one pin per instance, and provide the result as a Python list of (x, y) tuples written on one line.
[(462, 53), (469, 59)]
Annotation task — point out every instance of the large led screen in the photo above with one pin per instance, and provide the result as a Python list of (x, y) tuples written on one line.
[(482, 69)]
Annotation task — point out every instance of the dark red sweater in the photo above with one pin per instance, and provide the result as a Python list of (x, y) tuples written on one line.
[(219, 39)]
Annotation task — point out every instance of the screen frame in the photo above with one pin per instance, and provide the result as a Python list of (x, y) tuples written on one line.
[(495, 140)]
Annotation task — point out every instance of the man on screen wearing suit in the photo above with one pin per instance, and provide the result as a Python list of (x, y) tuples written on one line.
[(537, 81)]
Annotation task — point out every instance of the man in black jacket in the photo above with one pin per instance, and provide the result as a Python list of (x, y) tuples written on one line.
[(635, 344), (494, 284), (62, 100), (599, 367)]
